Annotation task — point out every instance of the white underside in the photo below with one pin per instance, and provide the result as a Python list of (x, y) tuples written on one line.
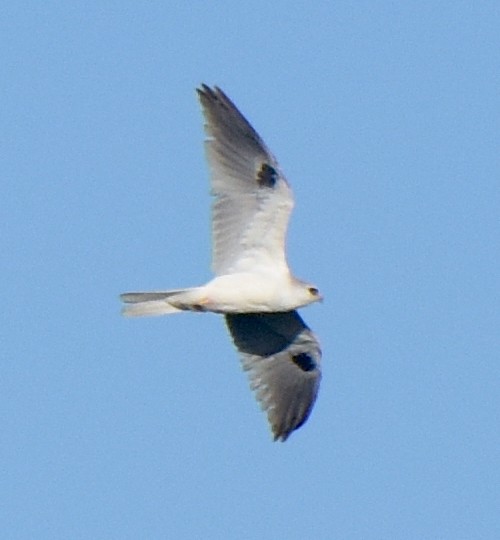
[(231, 293)]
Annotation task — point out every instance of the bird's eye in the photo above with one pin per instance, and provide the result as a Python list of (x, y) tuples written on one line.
[(313, 291)]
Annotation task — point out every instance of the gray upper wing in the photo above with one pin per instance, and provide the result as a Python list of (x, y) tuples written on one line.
[(252, 198), (282, 357)]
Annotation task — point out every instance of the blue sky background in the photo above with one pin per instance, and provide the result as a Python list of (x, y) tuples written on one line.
[(385, 118)]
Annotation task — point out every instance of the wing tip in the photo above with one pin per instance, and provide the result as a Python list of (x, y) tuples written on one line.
[(213, 96), (282, 431), (281, 436), (204, 90)]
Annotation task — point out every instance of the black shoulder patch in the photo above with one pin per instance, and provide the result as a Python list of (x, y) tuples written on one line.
[(267, 176), (304, 361)]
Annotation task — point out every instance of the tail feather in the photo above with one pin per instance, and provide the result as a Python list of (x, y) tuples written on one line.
[(135, 297), (143, 304)]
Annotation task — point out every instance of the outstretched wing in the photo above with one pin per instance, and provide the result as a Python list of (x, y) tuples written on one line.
[(252, 198), (282, 357)]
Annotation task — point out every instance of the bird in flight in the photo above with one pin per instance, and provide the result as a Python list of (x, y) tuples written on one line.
[(253, 287)]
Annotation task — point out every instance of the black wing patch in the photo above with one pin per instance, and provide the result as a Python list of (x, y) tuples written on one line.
[(267, 176), (305, 361)]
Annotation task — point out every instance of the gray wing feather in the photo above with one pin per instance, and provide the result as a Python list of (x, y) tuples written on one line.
[(252, 198), (282, 357)]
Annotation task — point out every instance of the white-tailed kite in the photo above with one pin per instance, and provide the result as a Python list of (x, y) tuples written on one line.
[(253, 287)]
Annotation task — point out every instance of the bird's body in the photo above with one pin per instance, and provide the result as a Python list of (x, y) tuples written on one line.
[(242, 292), (253, 287)]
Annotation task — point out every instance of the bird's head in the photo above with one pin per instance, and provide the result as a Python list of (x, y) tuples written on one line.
[(308, 293), (314, 294)]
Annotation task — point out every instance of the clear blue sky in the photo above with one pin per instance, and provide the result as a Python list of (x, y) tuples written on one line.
[(385, 117)]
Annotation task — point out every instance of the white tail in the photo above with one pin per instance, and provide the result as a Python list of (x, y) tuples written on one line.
[(144, 304)]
